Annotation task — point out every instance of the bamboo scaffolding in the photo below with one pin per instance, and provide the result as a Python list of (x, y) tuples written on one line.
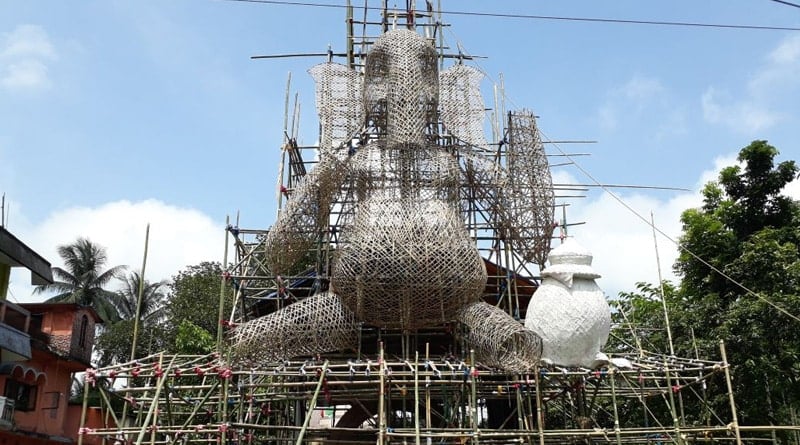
[(214, 399)]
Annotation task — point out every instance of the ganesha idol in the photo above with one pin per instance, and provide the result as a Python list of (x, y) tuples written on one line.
[(403, 258)]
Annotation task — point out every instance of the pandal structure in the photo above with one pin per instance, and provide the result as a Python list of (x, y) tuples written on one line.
[(390, 292)]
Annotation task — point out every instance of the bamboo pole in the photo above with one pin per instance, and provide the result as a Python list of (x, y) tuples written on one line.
[(196, 409), (221, 312), (416, 395), (613, 379), (381, 391), (311, 404), (140, 293), (726, 366), (85, 405), (539, 410), (473, 400), (427, 390), (661, 287), (150, 413), (673, 411)]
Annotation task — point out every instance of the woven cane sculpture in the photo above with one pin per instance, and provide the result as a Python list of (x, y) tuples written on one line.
[(498, 339), (315, 325), (402, 257), (338, 98), (530, 204)]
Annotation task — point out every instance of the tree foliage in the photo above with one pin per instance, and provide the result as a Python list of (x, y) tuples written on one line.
[(114, 343), (83, 280), (740, 282), (194, 298)]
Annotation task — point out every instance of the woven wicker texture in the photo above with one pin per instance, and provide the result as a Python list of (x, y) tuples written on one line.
[(304, 216), (407, 264), (315, 325), (339, 105), (569, 310), (499, 340), (530, 205), (461, 103), (401, 83)]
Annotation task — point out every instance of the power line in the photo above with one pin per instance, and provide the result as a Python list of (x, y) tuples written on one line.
[(552, 17), (784, 2)]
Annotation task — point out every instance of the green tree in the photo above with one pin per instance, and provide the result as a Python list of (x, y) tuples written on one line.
[(153, 298), (750, 232), (83, 280), (193, 302), (114, 343)]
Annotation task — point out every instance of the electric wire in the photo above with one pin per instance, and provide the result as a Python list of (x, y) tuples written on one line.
[(548, 17), (784, 2), (638, 215)]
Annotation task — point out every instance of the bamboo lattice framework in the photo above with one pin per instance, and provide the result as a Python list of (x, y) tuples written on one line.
[(300, 346)]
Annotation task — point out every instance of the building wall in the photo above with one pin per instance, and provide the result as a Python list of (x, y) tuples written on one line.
[(61, 347)]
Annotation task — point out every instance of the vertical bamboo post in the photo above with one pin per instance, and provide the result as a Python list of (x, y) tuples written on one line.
[(221, 312), (349, 43), (151, 413), (286, 145), (83, 412), (416, 396), (474, 397), (427, 391), (539, 410), (661, 287), (726, 366), (521, 424), (672, 409), (613, 379), (381, 393), (312, 405), (140, 293)]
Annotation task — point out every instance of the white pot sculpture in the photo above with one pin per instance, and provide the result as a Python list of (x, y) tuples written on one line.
[(569, 310)]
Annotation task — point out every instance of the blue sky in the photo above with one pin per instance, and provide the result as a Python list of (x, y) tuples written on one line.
[(119, 113)]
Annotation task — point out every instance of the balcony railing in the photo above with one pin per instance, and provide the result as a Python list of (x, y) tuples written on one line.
[(6, 413)]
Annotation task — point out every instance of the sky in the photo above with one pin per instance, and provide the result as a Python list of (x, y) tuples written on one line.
[(115, 114)]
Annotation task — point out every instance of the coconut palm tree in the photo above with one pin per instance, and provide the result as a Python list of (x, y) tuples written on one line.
[(152, 298), (83, 281)]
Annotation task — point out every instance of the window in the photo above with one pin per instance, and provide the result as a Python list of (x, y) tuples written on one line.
[(84, 328), (24, 395)]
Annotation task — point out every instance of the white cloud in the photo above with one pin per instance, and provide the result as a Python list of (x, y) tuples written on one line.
[(24, 53), (793, 189), (178, 237), (630, 100), (622, 242), (29, 74), (641, 90), (763, 93), (747, 116)]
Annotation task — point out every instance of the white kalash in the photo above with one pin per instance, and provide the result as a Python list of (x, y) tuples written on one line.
[(569, 310)]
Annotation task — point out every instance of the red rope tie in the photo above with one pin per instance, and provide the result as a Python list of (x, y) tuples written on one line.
[(676, 388), (84, 430), (91, 376)]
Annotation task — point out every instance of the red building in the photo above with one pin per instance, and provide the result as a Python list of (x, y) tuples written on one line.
[(41, 347)]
